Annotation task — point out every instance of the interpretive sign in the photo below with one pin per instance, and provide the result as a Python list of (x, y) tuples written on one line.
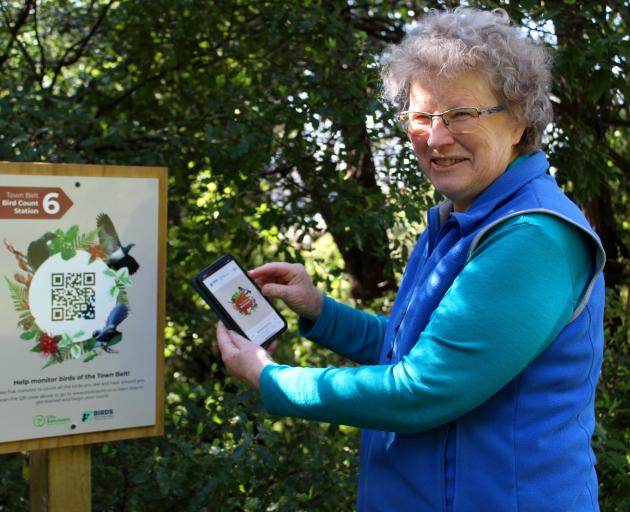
[(82, 265)]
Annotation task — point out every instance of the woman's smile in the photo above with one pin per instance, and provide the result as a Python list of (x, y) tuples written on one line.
[(446, 163)]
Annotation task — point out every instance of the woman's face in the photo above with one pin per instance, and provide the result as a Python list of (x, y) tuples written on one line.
[(461, 166)]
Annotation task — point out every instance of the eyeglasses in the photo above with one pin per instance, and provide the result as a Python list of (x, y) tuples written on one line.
[(457, 120)]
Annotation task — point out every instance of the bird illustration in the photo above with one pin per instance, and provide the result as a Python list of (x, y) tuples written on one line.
[(109, 334), (39, 250), (117, 254)]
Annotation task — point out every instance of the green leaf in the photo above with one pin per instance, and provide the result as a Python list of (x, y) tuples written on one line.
[(28, 335), (68, 253), (19, 295), (90, 355), (51, 361), (86, 240), (71, 235), (76, 351)]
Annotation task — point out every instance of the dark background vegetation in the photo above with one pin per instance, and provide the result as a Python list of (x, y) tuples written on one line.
[(267, 114)]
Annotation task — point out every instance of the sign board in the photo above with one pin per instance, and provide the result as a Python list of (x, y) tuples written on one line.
[(82, 269)]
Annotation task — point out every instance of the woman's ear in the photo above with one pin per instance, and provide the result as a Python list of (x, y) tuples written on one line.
[(517, 134)]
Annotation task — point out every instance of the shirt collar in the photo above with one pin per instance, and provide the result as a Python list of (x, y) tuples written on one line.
[(520, 171)]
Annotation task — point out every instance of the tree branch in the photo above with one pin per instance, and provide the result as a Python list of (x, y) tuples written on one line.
[(43, 62), (31, 62), (119, 99), (79, 47), (13, 30)]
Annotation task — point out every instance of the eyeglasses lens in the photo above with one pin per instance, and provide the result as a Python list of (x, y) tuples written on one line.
[(457, 120)]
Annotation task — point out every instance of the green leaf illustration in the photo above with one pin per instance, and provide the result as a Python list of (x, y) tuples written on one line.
[(71, 235), (52, 361), (65, 243), (68, 253), (122, 296), (66, 341), (90, 355), (56, 243), (29, 335), (76, 351), (86, 240), (19, 295)]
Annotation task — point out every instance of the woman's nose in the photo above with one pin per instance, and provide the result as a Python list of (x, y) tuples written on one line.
[(439, 134)]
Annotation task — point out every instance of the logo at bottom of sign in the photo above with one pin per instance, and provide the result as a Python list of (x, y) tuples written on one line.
[(49, 420), (100, 414)]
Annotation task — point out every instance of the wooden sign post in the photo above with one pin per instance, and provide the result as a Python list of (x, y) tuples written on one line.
[(82, 308), (51, 470)]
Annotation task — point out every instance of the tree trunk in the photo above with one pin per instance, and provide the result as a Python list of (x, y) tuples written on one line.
[(368, 265), (599, 213)]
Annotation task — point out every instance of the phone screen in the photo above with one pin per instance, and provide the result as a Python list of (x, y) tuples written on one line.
[(243, 302)]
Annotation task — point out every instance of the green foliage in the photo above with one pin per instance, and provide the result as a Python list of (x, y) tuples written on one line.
[(612, 435), (65, 243), (85, 241), (121, 281), (19, 294), (220, 453)]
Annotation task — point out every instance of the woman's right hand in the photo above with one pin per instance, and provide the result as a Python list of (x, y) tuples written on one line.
[(290, 283)]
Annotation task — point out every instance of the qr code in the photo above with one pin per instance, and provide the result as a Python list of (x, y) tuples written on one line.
[(73, 296)]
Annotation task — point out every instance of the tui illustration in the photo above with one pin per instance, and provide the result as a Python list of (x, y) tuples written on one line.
[(118, 254), (109, 334), (39, 250)]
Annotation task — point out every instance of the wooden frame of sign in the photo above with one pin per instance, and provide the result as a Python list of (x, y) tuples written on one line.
[(51, 445)]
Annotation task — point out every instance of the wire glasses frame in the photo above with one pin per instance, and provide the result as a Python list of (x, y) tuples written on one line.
[(457, 120)]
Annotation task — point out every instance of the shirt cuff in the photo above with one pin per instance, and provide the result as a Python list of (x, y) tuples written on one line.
[(318, 330), (268, 388)]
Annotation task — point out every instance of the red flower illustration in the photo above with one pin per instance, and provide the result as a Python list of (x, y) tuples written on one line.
[(96, 251), (48, 345)]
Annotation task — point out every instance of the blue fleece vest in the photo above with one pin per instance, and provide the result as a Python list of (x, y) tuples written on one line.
[(528, 447)]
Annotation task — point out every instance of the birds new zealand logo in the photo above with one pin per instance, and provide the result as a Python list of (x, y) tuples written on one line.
[(74, 293)]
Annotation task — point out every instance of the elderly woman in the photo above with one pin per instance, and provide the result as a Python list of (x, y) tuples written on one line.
[(476, 394)]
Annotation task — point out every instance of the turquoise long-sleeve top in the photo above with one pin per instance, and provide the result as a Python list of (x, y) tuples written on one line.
[(513, 297)]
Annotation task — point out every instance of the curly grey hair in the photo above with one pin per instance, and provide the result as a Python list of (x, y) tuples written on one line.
[(449, 43)]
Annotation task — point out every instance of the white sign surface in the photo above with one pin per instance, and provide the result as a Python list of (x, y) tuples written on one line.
[(78, 304)]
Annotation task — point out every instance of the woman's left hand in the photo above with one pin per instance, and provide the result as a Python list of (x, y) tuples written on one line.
[(243, 359)]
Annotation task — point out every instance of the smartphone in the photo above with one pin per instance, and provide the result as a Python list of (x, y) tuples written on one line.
[(238, 302)]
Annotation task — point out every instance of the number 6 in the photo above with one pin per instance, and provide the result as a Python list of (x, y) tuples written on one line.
[(50, 203)]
